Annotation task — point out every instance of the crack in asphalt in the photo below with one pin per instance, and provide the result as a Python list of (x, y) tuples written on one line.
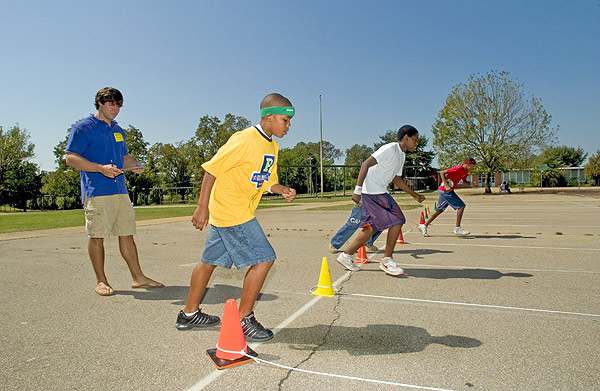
[(324, 339)]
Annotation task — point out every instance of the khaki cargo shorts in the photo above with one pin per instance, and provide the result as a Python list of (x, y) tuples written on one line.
[(107, 216)]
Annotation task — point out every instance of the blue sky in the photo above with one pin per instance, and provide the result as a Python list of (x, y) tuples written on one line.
[(377, 64)]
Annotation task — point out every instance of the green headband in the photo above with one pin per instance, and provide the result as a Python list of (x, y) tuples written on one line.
[(280, 110)]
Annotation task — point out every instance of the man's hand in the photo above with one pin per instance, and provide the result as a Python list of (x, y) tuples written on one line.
[(110, 170), (200, 218), (130, 163), (138, 170), (288, 193), (356, 197)]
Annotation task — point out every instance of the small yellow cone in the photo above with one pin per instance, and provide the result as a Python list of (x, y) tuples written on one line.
[(325, 287)]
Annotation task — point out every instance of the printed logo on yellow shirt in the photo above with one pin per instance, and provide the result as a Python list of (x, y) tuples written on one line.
[(118, 137), (265, 168)]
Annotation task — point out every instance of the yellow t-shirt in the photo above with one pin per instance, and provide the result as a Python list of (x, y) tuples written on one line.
[(245, 168)]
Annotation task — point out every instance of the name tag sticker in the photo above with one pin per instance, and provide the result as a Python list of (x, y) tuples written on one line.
[(118, 137)]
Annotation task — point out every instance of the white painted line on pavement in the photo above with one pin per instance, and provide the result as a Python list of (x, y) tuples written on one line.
[(347, 377), (467, 304)]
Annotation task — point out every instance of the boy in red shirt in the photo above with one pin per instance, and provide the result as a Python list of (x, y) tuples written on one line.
[(450, 178)]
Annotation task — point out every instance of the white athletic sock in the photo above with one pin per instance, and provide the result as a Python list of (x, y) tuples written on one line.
[(186, 314)]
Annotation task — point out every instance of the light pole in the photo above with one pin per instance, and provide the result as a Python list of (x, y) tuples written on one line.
[(321, 143)]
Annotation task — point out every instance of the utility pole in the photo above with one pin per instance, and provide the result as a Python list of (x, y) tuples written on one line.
[(321, 143)]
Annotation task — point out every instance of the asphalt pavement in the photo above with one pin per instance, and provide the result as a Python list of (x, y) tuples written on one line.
[(512, 306)]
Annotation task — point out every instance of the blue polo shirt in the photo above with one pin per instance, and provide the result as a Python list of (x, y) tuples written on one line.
[(94, 140)]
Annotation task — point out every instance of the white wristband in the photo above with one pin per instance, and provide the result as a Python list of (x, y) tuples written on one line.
[(358, 190)]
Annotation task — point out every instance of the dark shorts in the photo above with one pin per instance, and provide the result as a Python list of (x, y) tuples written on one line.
[(449, 198), (241, 245), (380, 211)]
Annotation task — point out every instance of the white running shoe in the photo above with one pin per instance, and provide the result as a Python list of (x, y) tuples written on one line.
[(460, 231), (423, 229), (371, 247), (332, 249), (390, 266), (347, 261)]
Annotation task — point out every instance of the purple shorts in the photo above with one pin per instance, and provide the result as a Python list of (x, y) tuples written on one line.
[(380, 211)]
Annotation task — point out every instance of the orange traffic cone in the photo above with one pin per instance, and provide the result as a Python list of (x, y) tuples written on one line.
[(361, 258), (400, 239), (422, 221), (232, 344)]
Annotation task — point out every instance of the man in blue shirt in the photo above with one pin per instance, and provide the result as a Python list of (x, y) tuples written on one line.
[(97, 148)]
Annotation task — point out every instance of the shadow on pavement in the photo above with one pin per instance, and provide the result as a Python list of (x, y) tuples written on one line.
[(369, 340), (419, 253), (217, 294), (474, 274)]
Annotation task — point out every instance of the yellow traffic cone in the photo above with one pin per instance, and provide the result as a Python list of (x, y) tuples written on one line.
[(325, 287)]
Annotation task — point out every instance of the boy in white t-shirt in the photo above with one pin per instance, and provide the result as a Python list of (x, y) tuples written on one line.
[(380, 210)]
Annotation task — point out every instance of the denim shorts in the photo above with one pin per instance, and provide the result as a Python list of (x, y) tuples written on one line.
[(449, 198), (240, 245)]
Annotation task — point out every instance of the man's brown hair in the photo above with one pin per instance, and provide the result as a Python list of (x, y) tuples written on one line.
[(108, 94)]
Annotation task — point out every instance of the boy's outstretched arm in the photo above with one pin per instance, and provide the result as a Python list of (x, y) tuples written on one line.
[(200, 217), (287, 192), (399, 182)]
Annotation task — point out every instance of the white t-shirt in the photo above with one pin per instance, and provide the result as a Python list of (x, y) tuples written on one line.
[(390, 160)]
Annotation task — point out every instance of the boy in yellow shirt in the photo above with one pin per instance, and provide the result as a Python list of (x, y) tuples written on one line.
[(237, 176)]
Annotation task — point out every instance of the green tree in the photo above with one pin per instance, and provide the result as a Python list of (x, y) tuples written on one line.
[(64, 183), (555, 158), (562, 156), (136, 145), (15, 169), (211, 133), (23, 186), (355, 156), (420, 157), (493, 120), (172, 165), (592, 168), (139, 185), (307, 178)]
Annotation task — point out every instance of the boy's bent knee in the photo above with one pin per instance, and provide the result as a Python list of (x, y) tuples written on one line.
[(205, 267), (261, 267)]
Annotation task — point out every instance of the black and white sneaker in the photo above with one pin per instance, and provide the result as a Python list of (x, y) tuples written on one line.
[(253, 330), (198, 319)]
